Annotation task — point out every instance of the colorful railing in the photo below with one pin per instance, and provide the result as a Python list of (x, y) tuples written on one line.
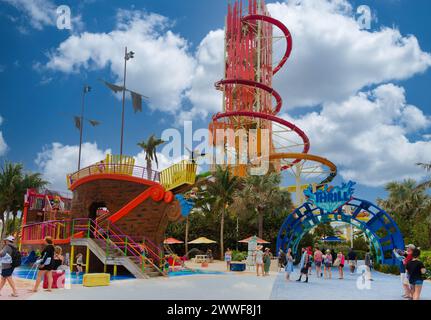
[(180, 173), (124, 169), (144, 255), (58, 230)]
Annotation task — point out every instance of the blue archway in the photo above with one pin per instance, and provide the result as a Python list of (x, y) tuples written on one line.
[(381, 229)]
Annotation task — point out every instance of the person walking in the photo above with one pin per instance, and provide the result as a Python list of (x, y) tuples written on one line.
[(368, 264), (228, 258), (6, 259), (339, 263), (289, 264), (46, 265), (318, 258), (267, 256), (352, 259), (310, 259), (258, 256), (79, 264), (281, 260), (404, 256), (58, 258), (416, 271), (327, 264), (304, 265)]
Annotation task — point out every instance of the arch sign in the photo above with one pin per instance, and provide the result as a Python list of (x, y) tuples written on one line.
[(330, 204)]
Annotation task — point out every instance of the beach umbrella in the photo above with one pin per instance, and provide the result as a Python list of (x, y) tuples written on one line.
[(172, 241), (258, 240), (202, 240)]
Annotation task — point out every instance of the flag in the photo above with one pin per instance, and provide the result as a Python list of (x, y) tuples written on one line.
[(136, 101), (78, 122), (113, 87), (94, 122)]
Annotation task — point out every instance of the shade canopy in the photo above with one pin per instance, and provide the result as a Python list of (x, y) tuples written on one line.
[(331, 239), (258, 240), (202, 240), (172, 241)]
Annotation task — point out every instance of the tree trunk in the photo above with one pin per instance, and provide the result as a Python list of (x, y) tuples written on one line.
[(14, 214), (5, 223), (222, 234), (260, 222), (149, 170), (186, 238)]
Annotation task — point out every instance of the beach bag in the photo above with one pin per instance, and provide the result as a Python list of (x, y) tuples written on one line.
[(337, 262), (16, 257)]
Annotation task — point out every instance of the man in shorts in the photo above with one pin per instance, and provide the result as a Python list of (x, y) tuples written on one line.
[(318, 258)]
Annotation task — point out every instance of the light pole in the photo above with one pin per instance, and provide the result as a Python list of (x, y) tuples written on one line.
[(85, 90), (127, 56)]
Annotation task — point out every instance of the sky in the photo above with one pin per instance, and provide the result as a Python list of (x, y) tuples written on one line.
[(361, 95)]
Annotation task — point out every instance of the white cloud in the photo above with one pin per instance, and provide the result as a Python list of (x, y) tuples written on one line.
[(58, 160), (333, 58), (367, 136), (205, 99), (3, 145), (162, 68)]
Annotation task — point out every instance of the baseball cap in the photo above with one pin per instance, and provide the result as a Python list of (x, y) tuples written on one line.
[(10, 238), (411, 246)]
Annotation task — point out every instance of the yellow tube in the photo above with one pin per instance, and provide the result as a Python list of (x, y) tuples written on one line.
[(72, 252), (87, 261)]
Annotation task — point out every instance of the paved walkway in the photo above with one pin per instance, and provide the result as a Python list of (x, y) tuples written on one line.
[(384, 287), (196, 287)]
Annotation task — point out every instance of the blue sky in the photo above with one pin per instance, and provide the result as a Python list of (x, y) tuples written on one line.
[(41, 80)]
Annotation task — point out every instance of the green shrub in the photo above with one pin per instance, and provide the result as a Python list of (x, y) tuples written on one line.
[(427, 262), (239, 255), (386, 268)]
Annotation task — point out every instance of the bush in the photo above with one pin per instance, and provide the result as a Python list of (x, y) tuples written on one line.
[(427, 262), (239, 255), (386, 268)]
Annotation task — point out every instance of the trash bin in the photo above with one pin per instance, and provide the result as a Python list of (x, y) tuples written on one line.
[(237, 266)]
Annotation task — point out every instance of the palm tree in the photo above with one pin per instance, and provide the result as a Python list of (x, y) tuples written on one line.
[(427, 183), (10, 177), (13, 185), (219, 193), (262, 195), (409, 205), (150, 148)]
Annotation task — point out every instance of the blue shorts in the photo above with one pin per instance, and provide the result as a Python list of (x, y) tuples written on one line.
[(5, 273), (417, 282)]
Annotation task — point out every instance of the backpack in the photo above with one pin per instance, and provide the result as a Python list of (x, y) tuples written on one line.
[(16, 257)]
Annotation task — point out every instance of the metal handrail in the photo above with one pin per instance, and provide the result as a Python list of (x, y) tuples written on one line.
[(115, 168)]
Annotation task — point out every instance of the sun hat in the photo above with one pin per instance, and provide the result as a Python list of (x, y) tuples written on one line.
[(10, 238)]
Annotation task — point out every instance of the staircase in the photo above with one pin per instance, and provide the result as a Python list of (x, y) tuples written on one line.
[(112, 247)]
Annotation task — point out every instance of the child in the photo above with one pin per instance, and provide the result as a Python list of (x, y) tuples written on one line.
[(79, 264), (327, 262)]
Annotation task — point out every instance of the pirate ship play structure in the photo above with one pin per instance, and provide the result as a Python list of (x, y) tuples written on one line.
[(116, 218)]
